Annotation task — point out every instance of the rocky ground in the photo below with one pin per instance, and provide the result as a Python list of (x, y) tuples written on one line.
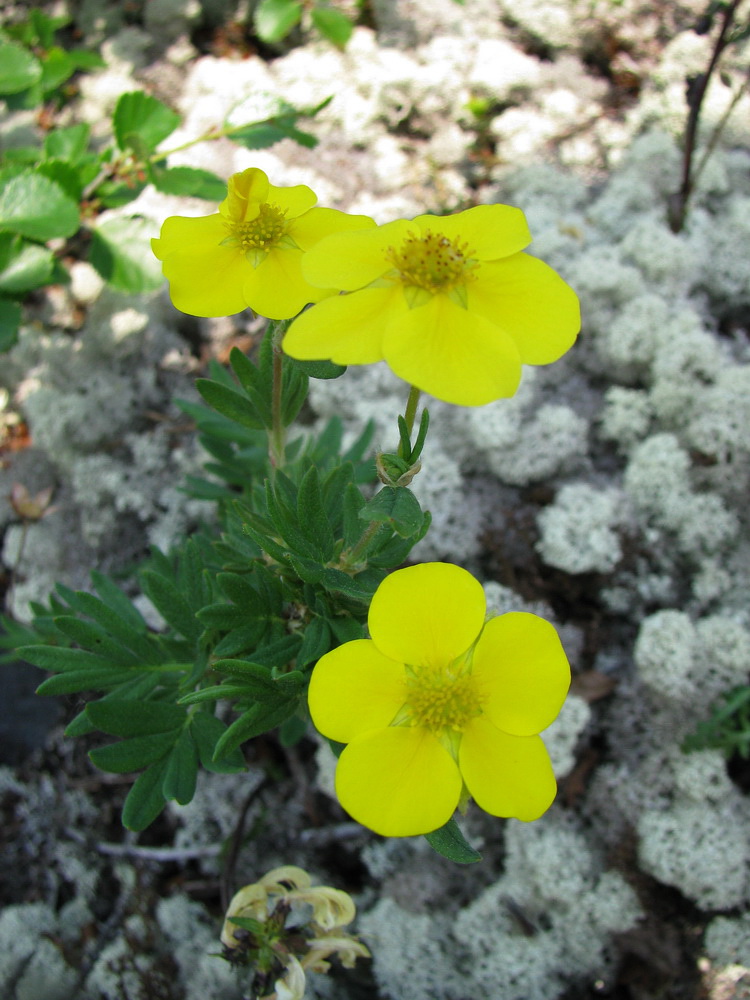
[(608, 495)]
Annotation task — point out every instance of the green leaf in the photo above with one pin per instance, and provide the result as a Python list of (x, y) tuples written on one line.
[(190, 182), (256, 679), (72, 681), (28, 266), (141, 121), (67, 143), (182, 770), (259, 719), (396, 505), (34, 206), (94, 638), (171, 604), (121, 253), (318, 369), (229, 403), (450, 842), (292, 730), (19, 69), (312, 516), (207, 730), (339, 582), (61, 659), (145, 799), (333, 25), (133, 717), (134, 754), (315, 642), (57, 67), (274, 19)]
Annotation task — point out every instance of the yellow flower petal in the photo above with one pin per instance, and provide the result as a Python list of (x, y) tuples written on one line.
[(427, 615), (531, 303), (318, 223), (294, 200), (276, 288), (453, 354), (522, 671), (347, 329), (348, 261), (245, 191), (398, 781), (205, 279), (491, 231), (355, 689), (506, 775)]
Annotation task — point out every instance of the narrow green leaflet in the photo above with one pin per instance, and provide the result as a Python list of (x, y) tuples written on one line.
[(141, 122), (19, 69), (451, 843), (134, 754), (121, 253), (34, 206), (274, 19), (182, 770), (171, 604), (133, 717), (145, 799), (207, 730)]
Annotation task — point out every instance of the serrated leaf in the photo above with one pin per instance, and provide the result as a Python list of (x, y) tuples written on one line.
[(190, 182), (333, 25), (67, 143), (133, 717), (274, 19), (140, 120), (230, 403), (121, 253), (19, 69), (64, 175), (451, 843), (182, 770), (207, 730), (145, 799), (133, 754), (28, 266), (34, 206)]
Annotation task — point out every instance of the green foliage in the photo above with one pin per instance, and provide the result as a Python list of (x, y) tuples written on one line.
[(57, 190), (273, 20), (247, 610), (727, 729), (451, 843)]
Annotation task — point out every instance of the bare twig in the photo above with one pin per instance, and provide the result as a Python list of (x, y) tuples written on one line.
[(677, 206)]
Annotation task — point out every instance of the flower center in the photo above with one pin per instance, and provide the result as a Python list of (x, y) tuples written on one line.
[(432, 262), (256, 237), (440, 699)]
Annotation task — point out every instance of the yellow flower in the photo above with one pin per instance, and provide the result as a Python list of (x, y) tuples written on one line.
[(439, 705), (250, 252), (452, 304)]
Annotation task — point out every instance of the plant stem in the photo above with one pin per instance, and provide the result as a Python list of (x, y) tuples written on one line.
[(350, 558), (277, 437), (678, 202)]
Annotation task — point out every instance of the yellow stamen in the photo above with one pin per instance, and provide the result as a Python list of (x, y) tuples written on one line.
[(260, 234), (432, 262), (440, 699)]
